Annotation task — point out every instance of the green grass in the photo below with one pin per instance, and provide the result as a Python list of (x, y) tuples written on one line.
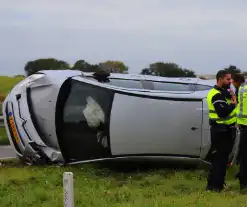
[(3, 137), (98, 186), (7, 83)]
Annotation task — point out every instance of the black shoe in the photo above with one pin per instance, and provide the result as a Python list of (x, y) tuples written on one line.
[(243, 189)]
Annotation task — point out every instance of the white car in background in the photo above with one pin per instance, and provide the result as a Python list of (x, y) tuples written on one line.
[(70, 117)]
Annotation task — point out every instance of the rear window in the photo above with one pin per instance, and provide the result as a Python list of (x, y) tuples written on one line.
[(162, 86)]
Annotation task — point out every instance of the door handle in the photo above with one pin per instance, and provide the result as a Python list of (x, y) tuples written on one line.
[(194, 128)]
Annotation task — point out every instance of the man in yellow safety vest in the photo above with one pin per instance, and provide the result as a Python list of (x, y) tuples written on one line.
[(241, 113), (222, 119), (237, 80)]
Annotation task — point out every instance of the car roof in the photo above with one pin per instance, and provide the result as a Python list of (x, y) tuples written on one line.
[(189, 80)]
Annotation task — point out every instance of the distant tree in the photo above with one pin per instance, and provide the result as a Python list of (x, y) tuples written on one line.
[(167, 70), (146, 71), (85, 66), (45, 64), (113, 66), (80, 65), (233, 69), (19, 76), (188, 73)]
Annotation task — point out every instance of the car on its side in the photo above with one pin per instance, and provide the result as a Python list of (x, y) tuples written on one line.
[(69, 117)]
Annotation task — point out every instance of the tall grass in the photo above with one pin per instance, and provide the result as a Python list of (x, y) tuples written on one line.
[(106, 186), (6, 84)]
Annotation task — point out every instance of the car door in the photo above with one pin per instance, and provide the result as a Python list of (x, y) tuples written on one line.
[(148, 125)]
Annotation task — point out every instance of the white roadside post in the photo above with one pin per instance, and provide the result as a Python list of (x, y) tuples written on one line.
[(68, 189)]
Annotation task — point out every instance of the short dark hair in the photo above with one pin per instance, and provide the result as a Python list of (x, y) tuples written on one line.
[(221, 74), (238, 77)]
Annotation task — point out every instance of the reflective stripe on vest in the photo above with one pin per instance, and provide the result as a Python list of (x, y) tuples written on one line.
[(221, 119), (212, 113)]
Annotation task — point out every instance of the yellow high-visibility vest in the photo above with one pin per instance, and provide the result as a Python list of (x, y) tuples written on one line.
[(241, 111), (230, 119)]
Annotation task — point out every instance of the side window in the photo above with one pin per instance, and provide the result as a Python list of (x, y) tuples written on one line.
[(162, 86), (202, 87), (126, 83)]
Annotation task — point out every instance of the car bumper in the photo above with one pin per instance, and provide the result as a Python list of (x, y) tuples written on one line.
[(23, 136)]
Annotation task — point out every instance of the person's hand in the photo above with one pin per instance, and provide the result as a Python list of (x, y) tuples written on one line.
[(231, 92), (233, 100)]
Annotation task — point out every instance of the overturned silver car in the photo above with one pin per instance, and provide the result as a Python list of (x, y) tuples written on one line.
[(69, 117)]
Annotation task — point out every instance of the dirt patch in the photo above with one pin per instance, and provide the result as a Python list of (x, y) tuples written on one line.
[(2, 98)]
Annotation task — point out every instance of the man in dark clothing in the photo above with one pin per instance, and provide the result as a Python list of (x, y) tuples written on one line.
[(222, 119)]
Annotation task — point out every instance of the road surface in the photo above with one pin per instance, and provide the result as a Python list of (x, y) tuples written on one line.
[(6, 152)]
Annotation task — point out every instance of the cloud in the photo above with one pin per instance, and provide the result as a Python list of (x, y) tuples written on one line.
[(198, 34)]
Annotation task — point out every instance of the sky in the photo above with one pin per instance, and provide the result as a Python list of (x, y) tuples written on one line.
[(201, 35)]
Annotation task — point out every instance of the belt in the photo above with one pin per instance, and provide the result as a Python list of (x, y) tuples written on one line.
[(211, 123), (232, 126)]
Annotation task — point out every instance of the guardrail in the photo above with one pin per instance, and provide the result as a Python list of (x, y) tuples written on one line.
[(1, 122)]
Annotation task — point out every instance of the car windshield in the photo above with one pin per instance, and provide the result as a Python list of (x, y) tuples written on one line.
[(83, 113)]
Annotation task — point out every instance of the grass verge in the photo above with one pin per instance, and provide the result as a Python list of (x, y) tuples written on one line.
[(6, 84), (3, 137), (108, 186)]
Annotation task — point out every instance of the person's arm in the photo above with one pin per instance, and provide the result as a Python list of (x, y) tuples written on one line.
[(222, 108)]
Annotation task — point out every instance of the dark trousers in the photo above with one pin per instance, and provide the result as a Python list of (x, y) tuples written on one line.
[(222, 141), (242, 175)]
